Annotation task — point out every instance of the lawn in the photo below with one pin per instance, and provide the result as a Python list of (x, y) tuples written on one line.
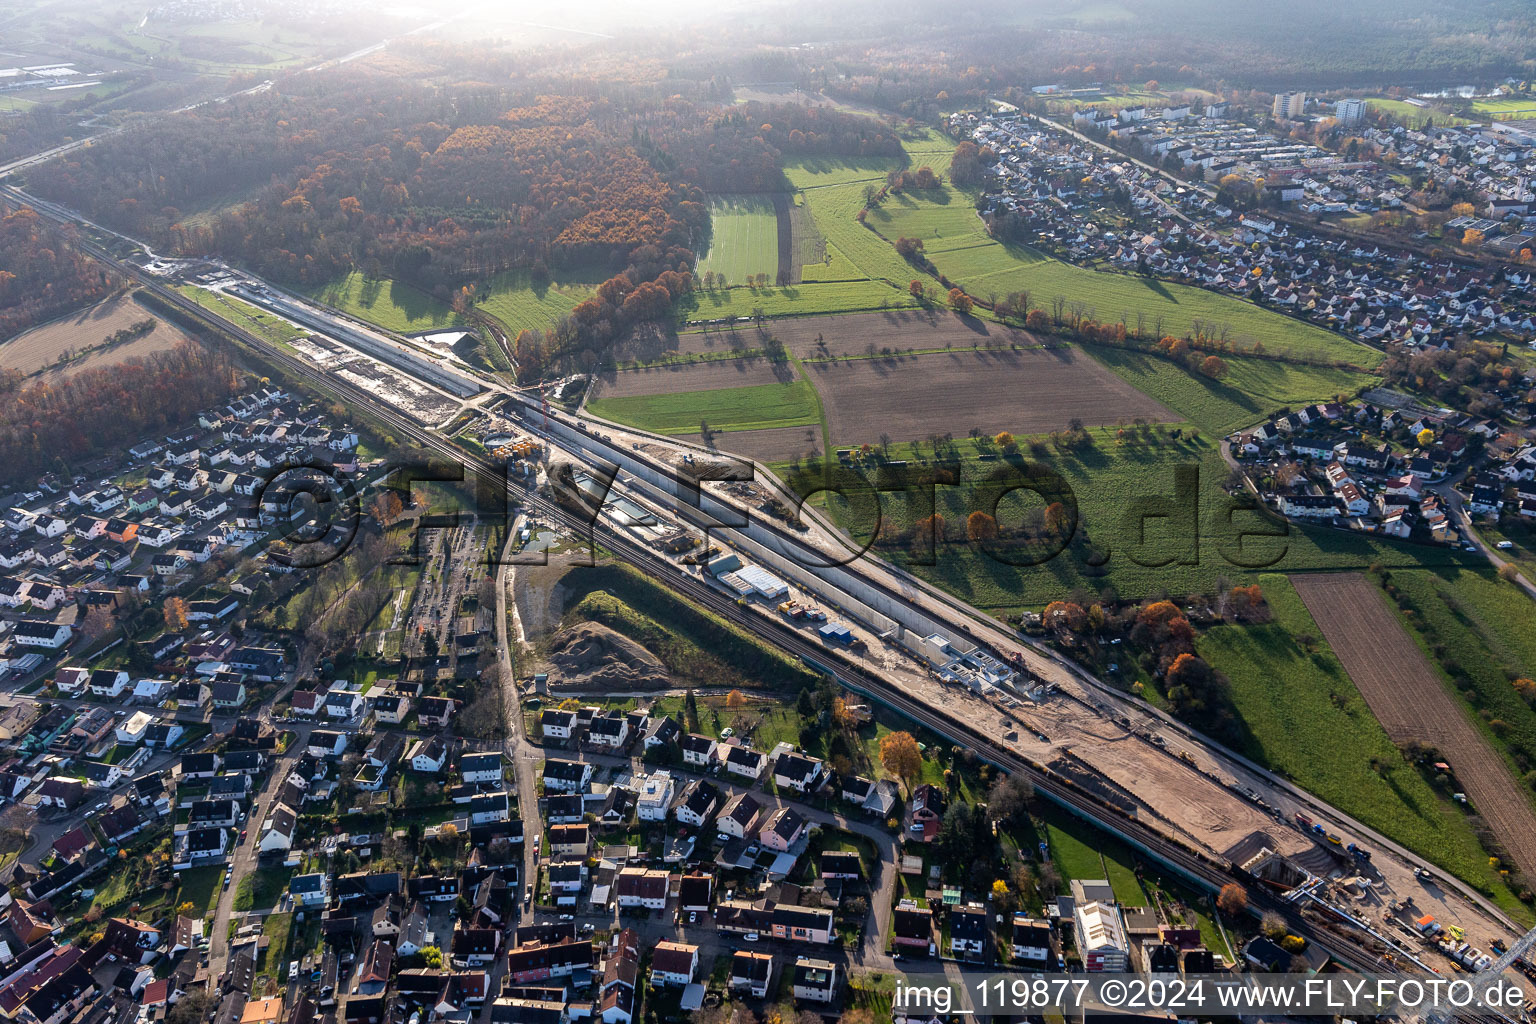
[(262, 888), (278, 929), (391, 305), (806, 299), (1411, 115), (1252, 390), (200, 887), (1506, 106), (1306, 720), (759, 406), (1082, 852), (744, 238), (957, 243), (1178, 548)]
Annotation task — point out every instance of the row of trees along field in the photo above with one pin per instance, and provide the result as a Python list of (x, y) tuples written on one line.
[(42, 276)]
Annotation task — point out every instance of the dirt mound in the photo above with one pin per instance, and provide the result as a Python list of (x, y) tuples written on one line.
[(590, 656)]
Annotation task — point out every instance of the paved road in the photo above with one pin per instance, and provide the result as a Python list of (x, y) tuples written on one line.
[(244, 859), (1452, 499)]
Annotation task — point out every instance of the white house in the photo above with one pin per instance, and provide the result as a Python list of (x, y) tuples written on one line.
[(655, 797), (674, 963), (557, 724), (481, 768), (47, 635), (428, 755), (698, 751), (132, 729)]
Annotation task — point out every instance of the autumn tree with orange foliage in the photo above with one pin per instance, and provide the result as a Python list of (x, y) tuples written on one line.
[(174, 611), (979, 526), (42, 275), (1065, 615), (899, 756)]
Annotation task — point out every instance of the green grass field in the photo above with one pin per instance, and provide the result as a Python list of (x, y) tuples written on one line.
[(390, 304), (1251, 391), (1188, 552), (747, 408), (957, 243), (1507, 106), (1411, 115), (744, 237), (243, 314), (200, 887), (1305, 719), (1083, 853), (520, 304), (805, 299)]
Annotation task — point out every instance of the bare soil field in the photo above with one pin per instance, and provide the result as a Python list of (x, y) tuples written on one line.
[(1026, 392), (1410, 700), (773, 444), (670, 380), (859, 334), (37, 351), (823, 337)]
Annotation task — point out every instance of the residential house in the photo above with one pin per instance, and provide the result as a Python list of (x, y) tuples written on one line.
[(698, 751), (745, 762), (1101, 937), (814, 981), (739, 816), (481, 768), (641, 887), (802, 924), (428, 755), (797, 771), (562, 776), (782, 829), (655, 796), (697, 802), (751, 973), (673, 963), (557, 724)]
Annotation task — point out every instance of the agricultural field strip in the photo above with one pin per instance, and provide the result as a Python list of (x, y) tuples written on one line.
[(1027, 392), (1303, 717), (38, 350), (1411, 701)]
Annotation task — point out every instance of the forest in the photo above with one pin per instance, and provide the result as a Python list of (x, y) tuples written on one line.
[(441, 186), (42, 276), (60, 423)]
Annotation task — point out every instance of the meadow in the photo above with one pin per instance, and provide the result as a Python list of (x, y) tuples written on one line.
[(1252, 390), (1506, 106), (392, 305), (1180, 547), (806, 299), (957, 243), (1305, 719), (754, 407), (744, 238)]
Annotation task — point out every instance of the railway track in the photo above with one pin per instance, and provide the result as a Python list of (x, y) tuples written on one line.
[(1196, 867)]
